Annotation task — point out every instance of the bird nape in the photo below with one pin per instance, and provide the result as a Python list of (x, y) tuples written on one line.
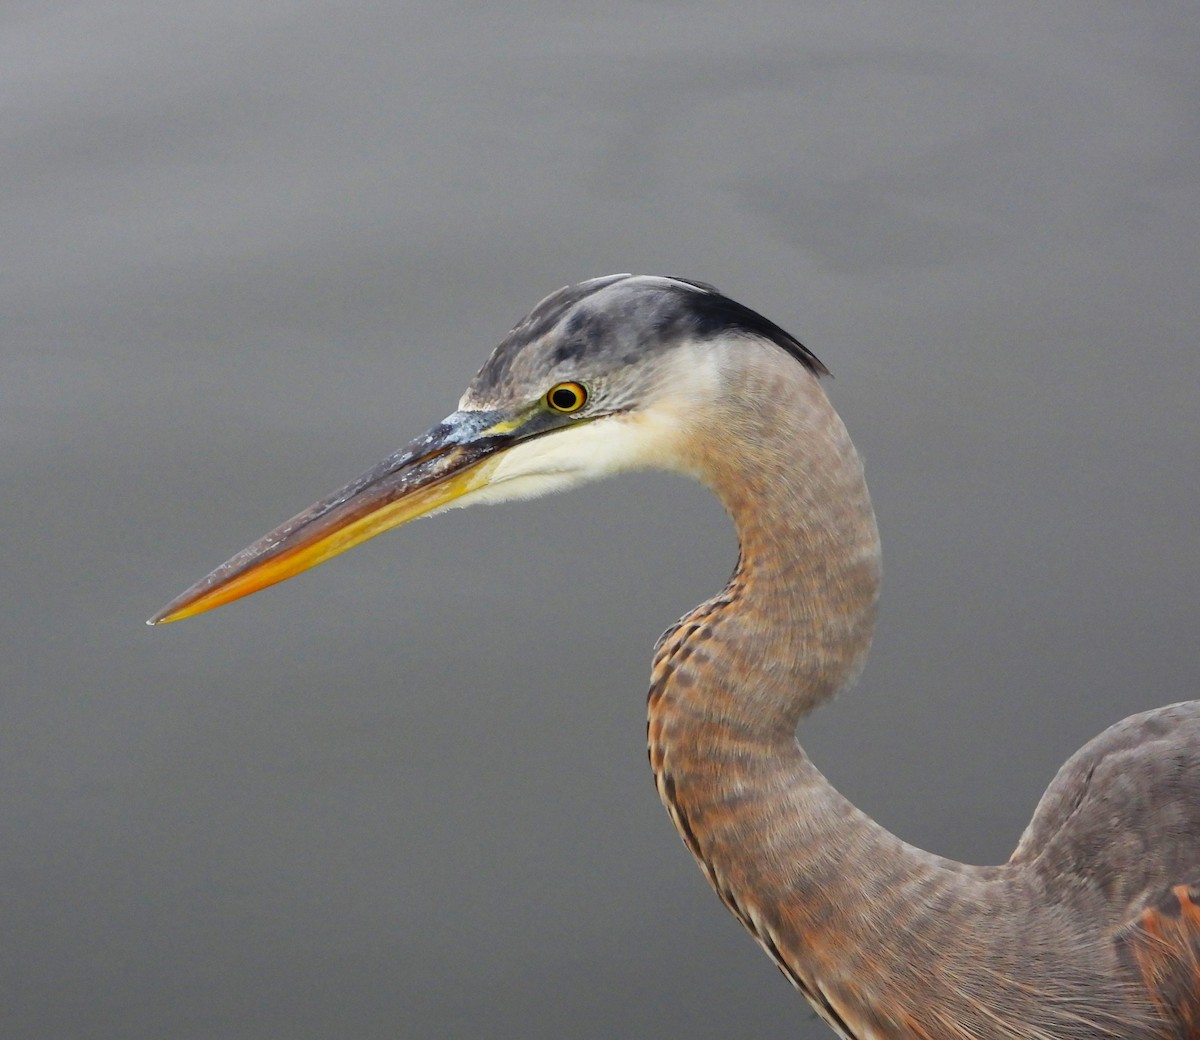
[(1092, 929)]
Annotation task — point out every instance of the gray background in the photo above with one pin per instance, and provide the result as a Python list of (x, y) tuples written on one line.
[(251, 248)]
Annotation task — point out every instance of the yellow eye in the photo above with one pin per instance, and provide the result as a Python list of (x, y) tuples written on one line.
[(566, 397)]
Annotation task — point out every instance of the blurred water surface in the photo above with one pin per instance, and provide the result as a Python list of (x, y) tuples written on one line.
[(249, 249)]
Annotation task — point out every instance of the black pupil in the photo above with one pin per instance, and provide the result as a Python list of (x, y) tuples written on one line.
[(565, 398)]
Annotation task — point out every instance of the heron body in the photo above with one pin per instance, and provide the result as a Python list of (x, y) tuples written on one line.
[(1092, 929)]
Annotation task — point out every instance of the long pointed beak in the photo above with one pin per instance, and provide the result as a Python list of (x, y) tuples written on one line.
[(455, 457)]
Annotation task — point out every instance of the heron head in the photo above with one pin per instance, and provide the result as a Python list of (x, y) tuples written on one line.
[(609, 375)]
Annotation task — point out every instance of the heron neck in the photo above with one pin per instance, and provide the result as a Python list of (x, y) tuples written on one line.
[(781, 846), (852, 915), (795, 622), (733, 679)]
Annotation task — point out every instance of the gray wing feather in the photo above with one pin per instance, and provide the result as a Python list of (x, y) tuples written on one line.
[(1120, 823)]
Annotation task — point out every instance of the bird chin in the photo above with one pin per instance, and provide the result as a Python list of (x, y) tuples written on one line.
[(568, 458)]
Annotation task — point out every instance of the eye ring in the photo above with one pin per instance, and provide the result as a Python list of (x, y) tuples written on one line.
[(566, 398)]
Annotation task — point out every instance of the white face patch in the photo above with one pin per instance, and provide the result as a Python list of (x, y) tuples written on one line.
[(567, 458), (648, 437)]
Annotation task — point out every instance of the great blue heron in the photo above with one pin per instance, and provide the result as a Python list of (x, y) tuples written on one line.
[(1092, 928)]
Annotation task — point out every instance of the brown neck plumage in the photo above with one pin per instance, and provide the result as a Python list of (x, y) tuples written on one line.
[(733, 679), (846, 909), (795, 862)]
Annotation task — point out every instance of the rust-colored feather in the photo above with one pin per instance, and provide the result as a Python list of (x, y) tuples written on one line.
[(1162, 946)]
